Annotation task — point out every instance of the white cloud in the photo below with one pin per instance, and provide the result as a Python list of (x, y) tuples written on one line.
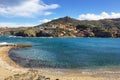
[(44, 21), (10, 24), (28, 8), (47, 13), (103, 15)]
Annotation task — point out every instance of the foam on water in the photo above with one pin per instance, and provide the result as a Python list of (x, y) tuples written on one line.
[(5, 43), (13, 36)]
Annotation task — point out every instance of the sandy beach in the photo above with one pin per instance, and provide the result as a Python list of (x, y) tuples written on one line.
[(7, 66), (10, 68)]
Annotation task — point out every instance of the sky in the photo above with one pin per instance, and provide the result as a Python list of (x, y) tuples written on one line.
[(16, 13)]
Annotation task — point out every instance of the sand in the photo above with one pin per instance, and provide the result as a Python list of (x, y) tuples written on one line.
[(9, 68)]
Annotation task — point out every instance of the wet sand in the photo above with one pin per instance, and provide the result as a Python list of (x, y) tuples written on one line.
[(9, 68)]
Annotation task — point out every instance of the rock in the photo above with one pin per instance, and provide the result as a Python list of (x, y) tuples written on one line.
[(27, 76), (30, 33), (43, 34), (19, 33), (47, 79)]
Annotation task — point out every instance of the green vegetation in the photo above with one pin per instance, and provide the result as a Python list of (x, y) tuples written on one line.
[(69, 27), (64, 21)]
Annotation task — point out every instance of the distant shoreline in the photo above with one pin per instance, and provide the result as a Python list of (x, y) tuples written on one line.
[(57, 37)]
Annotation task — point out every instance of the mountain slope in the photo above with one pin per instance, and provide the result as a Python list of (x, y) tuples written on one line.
[(64, 21), (69, 27), (105, 23)]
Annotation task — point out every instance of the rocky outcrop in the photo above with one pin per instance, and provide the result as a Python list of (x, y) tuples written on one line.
[(30, 33), (43, 34), (30, 75), (18, 33)]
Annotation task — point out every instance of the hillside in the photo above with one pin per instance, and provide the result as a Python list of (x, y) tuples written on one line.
[(71, 21), (69, 27), (64, 21)]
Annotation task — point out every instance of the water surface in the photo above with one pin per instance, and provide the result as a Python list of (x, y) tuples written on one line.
[(66, 53)]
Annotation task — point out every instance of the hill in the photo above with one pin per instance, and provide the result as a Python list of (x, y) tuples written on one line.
[(69, 27), (64, 21)]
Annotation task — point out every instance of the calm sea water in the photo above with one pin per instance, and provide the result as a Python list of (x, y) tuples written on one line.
[(66, 52)]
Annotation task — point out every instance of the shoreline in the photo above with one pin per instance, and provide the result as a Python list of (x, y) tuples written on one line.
[(64, 37), (7, 66), (10, 67)]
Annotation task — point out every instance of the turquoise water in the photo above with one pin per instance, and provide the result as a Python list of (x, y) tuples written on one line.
[(66, 52)]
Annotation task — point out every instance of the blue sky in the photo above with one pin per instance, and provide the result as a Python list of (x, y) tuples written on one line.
[(16, 13)]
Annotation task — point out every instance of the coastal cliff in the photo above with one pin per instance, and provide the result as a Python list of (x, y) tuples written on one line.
[(68, 27)]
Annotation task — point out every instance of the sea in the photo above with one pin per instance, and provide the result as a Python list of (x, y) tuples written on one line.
[(65, 53)]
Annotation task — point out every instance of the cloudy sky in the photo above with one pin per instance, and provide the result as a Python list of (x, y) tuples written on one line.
[(15, 13)]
